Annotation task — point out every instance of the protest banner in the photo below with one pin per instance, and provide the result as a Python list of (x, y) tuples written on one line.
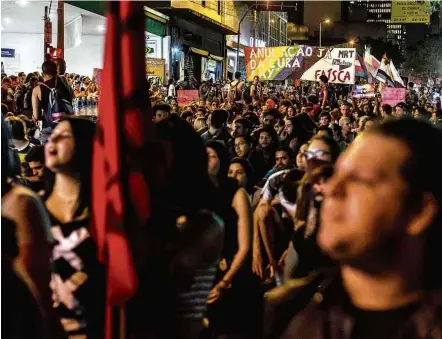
[(301, 62), (280, 63), (155, 68), (415, 80), (338, 64), (186, 96), (364, 91), (392, 96), (410, 12), (96, 74)]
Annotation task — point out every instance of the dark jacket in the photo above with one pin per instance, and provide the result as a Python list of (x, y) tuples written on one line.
[(223, 136), (305, 128), (325, 314)]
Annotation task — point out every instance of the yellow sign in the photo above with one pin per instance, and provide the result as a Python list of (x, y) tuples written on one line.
[(410, 12), (221, 13), (155, 68)]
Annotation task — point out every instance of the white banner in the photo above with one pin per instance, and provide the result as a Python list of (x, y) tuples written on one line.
[(338, 65), (73, 32)]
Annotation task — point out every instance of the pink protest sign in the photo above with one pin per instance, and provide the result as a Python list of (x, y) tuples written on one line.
[(185, 97), (393, 96)]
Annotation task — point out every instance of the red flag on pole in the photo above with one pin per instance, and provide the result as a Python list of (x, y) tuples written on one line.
[(120, 191)]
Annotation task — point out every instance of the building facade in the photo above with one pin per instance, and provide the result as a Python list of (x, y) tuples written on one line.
[(403, 35), (272, 28)]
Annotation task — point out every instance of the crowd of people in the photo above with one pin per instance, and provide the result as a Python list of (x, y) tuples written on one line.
[(278, 212)]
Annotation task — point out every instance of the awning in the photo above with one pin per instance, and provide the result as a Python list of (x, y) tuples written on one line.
[(155, 27), (199, 51), (216, 57), (97, 7)]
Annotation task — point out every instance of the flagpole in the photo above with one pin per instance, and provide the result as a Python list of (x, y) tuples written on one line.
[(117, 315)]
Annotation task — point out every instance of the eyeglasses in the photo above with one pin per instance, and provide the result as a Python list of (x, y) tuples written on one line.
[(315, 154)]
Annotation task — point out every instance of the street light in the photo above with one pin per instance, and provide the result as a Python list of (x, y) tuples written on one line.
[(351, 42), (326, 21)]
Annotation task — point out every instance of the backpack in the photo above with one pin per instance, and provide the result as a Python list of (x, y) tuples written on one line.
[(20, 96), (246, 93), (234, 93), (57, 106), (27, 100)]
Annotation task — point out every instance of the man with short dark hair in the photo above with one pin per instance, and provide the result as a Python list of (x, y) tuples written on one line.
[(240, 126), (35, 159), (283, 157), (217, 129), (380, 221), (386, 111), (161, 111), (324, 119), (19, 136), (400, 110)]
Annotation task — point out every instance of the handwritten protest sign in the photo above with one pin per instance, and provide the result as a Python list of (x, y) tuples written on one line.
[(393, 96), (338, 64), (185, 97), (301, 62), (364, 91)]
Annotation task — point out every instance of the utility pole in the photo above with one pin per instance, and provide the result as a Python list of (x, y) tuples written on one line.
[(60, 27), (47, 36)]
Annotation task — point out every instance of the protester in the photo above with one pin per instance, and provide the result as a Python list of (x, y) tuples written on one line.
[(233, 293), (68, 155), (181, 245), (25, 258), (380, 221), (43, 104)]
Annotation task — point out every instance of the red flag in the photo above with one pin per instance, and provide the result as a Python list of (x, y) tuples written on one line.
[(120, 191)]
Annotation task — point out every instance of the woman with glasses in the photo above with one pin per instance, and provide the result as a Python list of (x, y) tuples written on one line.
[(303, 254)]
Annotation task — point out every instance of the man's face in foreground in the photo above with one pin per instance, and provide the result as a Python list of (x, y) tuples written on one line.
[(364, 206)]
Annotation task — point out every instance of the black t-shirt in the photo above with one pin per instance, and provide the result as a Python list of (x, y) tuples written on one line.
[(381, 324)]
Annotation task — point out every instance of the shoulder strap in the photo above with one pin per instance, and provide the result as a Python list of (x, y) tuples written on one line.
[(44, 85)]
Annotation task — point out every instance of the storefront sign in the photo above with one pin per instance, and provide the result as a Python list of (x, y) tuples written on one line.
[(410, 12), (364, 91), (48, 32), (155, 68), (301, 61), (8, 53), (257, 42), (153, 46), (393, 96), (185, 97)]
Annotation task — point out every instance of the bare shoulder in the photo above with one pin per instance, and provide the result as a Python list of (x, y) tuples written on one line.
[(241, 197), (21, 199)]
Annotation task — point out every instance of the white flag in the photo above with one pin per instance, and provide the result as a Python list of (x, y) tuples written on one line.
[(395, 73)]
